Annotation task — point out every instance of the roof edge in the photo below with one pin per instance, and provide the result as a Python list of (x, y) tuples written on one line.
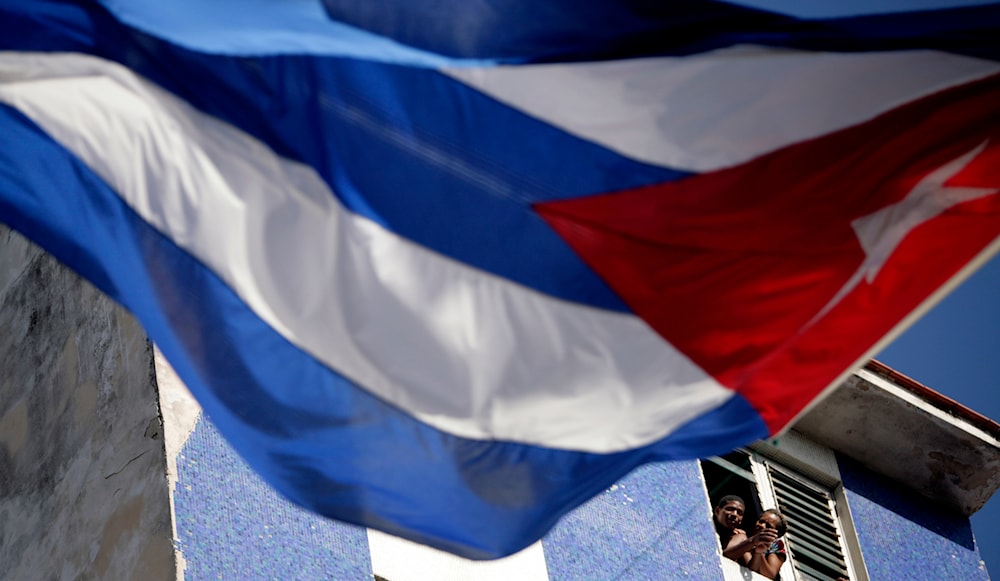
[(940, 400)]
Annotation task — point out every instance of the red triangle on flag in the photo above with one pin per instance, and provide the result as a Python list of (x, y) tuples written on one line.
[(777, 275)]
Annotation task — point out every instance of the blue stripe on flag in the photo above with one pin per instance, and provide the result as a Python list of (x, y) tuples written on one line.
[(848, 8), (531, 31), (476, 28), (387, 140), (319, 439), (286, 27)]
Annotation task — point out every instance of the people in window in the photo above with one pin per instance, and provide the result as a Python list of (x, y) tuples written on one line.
[(767, 552)]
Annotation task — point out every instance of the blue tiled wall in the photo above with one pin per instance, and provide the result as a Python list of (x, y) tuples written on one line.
[(905, 536), (654, 524), (230, 525)]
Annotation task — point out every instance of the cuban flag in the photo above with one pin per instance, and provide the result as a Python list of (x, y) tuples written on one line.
[(447, 269)]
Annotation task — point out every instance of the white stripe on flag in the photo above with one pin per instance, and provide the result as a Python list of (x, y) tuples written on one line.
[(720, 109), (469, 353), (396, 559)]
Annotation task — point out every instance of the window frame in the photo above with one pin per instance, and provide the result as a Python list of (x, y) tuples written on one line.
[(808, 464)]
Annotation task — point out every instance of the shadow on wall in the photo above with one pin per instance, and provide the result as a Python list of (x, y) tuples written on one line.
[(906, 504)]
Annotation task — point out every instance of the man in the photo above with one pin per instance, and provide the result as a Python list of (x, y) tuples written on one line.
[(728, 518)]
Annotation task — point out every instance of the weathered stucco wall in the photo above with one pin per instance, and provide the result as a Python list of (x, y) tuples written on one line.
[(83, 490)]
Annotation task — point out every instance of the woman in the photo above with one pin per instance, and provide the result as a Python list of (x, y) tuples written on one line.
[(768, 552)]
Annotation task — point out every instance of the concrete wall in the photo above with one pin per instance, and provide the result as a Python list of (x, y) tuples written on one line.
[(83, 490)]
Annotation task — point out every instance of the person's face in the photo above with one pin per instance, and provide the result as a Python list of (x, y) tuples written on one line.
[(729, 515), (768, 521)]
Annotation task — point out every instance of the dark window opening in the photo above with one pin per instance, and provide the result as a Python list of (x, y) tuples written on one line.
[(731, 474)]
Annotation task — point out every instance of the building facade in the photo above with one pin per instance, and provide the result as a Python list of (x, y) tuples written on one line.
[(109, 471), (878, 482)]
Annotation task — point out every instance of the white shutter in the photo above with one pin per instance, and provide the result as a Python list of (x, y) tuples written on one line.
[(814, 536)]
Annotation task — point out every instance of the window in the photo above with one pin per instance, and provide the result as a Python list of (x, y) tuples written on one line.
[(816, 540)]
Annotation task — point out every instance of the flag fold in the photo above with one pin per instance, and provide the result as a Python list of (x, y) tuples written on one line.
[(450, 271)]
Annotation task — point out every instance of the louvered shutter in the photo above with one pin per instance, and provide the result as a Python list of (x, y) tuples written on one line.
[(813, 537)]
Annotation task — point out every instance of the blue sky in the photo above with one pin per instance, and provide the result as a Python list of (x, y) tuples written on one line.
[(955, 349)]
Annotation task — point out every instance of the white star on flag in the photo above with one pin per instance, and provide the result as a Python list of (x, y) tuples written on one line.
[(880, 232)]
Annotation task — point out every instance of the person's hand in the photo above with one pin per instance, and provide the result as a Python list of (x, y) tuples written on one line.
[(762, 540)]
